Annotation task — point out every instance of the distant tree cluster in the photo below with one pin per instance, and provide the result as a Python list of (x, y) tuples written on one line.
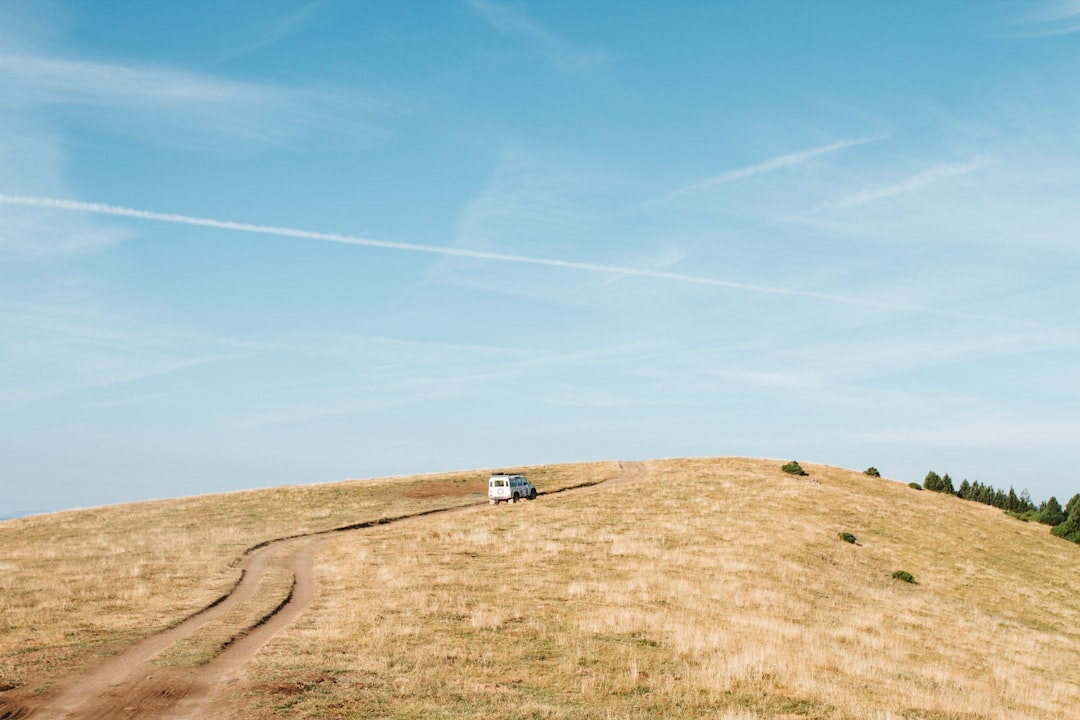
[(937, 483), (1051, 513), (1064, 521), (987, 495), (1070, 527)]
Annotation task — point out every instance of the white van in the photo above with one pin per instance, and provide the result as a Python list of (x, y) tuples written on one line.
[(511, 488)]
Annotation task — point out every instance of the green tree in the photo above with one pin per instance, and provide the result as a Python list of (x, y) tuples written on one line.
[(1012, 501), (964, 490), (1050, 512), (1073, 505), (947, 486), (1070, 529), (932, 482), (872, 471)]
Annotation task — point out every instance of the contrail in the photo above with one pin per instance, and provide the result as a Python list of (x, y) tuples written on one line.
[(926, 177), (103, 209), (794, 158)]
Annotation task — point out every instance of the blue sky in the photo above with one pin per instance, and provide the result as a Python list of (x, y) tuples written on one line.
[(264, 243)]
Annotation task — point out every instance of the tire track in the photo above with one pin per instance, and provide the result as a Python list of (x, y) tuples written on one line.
[(129, 686)]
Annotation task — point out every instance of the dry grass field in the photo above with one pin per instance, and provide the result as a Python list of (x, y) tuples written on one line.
[(642, 600), (85, 583), (692, 588)]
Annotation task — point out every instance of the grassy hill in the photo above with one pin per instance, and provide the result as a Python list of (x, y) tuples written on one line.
[(85, 583), (693, 588)]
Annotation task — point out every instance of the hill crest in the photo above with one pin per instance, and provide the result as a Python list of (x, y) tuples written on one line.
[(685, 587)]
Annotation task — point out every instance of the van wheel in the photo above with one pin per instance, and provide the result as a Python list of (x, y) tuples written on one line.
[(532, 495), (513, 499)]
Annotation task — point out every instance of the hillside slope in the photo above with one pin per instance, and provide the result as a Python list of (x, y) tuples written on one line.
[(79, 585), (705, 587), (688, 588)]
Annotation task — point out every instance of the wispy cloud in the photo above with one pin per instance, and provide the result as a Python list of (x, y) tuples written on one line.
[(919, 180), (385, 372), (989, 429), (198, 103), (31, 156), (515, 21), (37, 79), (52, 349), (282, 29), (117, 211), (775, 163), (1056, 17)]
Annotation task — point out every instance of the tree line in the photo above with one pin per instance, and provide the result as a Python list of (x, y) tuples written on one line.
[(1064, 522)]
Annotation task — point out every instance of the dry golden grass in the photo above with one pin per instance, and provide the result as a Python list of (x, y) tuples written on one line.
[(273, 590), (77, 584), (709, 588)]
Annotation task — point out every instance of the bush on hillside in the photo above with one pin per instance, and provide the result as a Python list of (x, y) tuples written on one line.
[(1026, 516), (1070, 529), (1050, 512), (1073, 505), (904, 576), (871, 471), (846, 537), (914, 486), (794, 468)]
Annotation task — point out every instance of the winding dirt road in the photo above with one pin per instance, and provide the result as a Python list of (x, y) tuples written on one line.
[(130, 685)]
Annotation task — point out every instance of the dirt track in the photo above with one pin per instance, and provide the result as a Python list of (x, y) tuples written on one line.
[(130, 685)]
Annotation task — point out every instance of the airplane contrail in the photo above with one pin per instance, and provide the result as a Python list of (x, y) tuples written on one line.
[(765, 166), (926, 177), (103, 209)]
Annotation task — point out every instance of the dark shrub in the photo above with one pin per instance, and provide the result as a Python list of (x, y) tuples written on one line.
[(914, 486), (939, 484), (793, 468), (1027, 515), (904, 576), (846, 537), (1070, 529), (1073, 505), (1050, 512), (871, 471)]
